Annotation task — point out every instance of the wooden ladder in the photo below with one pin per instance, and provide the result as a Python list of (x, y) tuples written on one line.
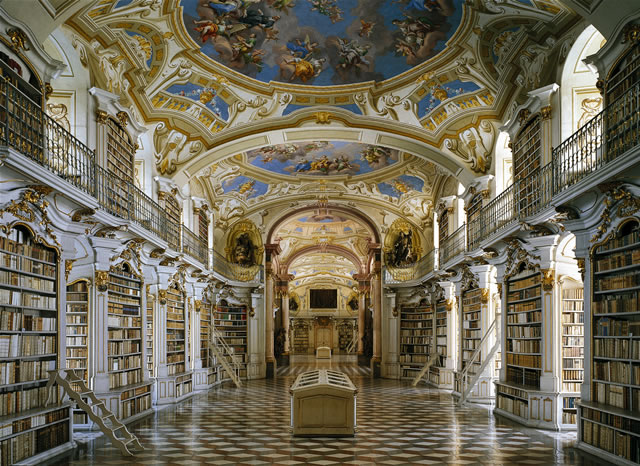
[(425, 369), (75, 388), (221, 351)]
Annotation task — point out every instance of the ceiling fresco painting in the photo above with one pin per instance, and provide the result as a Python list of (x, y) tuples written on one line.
[(321, 42), (207, 96), (322, 158), (244, 187), (440, 93), (403, 184)]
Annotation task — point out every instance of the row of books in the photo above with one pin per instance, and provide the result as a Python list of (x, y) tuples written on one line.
[(76, 341), (614, 395), (473, 334), (124, 347), (24, 371), (175, 316), (521, 376), (175, 358), (17, 401), (572, 363), (510, 391), (22, 264), (414, 358), (573, 375), (27, 281), (523, 294), (619, 348), (526, 306), (119, 363), (78, 296), (175, 325), (15, 427), (626, 240), (79, 319), (76, 330), (229, 316), (228, 323), (572, 341), (571, 387), (527, 360), (573, 293), (513, 406), (123, 321), (442, 330), (176, 369), (525, 318), (121, 379), (617, 260), (613, 420), (124, 334), (134, 392), (136, 405), (573, 352), (31, 443), (618, 282), (524, 283), (606, 326), (573, 317), (77, 352), (124, 305), (184, 388), (416, 333), (573, 306), (20, 242), (573, 330), (124, 289), (616, 371), (470, 344), (523, 332), (611, 304), (27, 299), (13, 346), (524, 346), (175, 346)]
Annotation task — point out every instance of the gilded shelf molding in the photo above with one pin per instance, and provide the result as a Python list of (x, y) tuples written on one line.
[(546, 112), (68, 266), (123, 118), (101, 117)]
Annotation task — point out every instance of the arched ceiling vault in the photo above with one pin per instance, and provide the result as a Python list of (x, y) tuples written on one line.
[(324, 249)]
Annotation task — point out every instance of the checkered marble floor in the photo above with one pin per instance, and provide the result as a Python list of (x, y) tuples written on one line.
[(397, 425)]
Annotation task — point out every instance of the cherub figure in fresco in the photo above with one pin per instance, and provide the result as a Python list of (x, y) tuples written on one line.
[(373, 154), (303, 166), (244, 47), (301, 49), (305, 69), (401, 187), (253, 18), (328, 8), (237, 7), (352, 54), (342, 163), (321, 165), (246, 188), (209, 29), (365, 28), (282, 5)]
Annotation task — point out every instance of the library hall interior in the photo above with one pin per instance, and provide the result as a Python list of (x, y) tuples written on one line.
[(317, 232)]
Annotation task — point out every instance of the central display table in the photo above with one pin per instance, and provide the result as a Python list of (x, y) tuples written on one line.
[(323, 352), (323, 403)]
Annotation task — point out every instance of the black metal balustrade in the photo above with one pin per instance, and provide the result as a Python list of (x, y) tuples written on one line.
[(453, 245), (498, 213), (193, 245), (604, 138)]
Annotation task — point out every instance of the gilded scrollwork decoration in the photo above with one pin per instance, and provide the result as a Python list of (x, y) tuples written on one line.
[(620, 202), (517, 256), (102, 280), (548, 279), (30, 206), (18, 39), (68, 266)]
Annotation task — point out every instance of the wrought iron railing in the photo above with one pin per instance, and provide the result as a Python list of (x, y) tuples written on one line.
[(498, 213), (453, 245), (148, 214), (238, 272), (193, 245), (604, 138), (25, 127)]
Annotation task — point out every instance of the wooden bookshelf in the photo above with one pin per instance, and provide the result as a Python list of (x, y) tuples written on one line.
[(176, 332), (174, 214), (345, 335), (120, 164), (438, 374), (416, 333), (125, 327), (624, 75), (301, 339), (524, 339), (572, 351), (203, 225), (471, 328), (149, 344), (231, 322), (527, 161), (28, 349), (77, 341), (610, 421), (207, 356)]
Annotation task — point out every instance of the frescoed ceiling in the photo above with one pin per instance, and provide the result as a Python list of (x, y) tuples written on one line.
[(321, 42)]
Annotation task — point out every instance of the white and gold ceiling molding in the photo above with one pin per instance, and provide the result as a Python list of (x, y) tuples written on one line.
[(212, 94)]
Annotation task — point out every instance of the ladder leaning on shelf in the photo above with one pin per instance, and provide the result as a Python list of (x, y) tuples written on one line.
[(107, 421), (354, 340), (467, 385), (425, 369), (222, 351)]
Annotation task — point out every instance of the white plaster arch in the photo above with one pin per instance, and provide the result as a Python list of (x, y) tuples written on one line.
[(325, 123)]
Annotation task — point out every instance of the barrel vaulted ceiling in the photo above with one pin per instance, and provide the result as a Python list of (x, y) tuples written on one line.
[(403, 94)]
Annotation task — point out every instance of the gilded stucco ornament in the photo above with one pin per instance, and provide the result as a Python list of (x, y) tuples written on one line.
[(18, 39), (581, 266), (30, 205), (627, 204), (474, 146), (162, 297), (484, 295), (102, 280), (631, 34), (517, 255), (548, 279), (68, 266)]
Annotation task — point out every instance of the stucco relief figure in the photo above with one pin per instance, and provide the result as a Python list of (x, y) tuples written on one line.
[(244, 251), (353, 303), (293, 304), (402, 252)]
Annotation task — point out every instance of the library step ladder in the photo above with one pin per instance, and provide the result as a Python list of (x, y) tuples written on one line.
[(425, 369), (224, 355), (75, 388), (469, 383), (351, 347)]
